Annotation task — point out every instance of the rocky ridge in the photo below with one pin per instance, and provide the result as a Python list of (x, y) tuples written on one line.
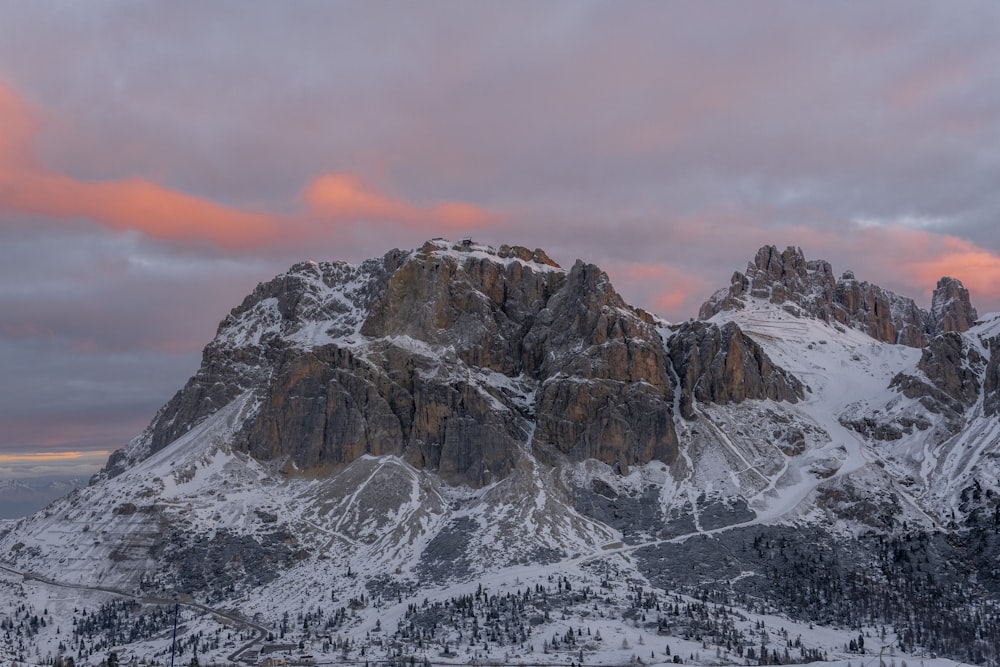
[(930, 414), (787, 278)]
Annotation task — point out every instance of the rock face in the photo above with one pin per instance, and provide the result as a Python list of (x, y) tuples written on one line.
[(950, 380), (809, 287), (457, 358), (326, 407), (951, 309), (479, 304), (881, 314), (991, 379), (723, 365), (277, 315), (602, 366)]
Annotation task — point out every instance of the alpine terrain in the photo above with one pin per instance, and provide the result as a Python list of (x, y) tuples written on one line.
[(463, 454)]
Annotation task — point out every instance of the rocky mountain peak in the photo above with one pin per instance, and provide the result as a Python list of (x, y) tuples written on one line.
[(477, 300), (780, 277), (462, 359), (808, 287), (951, 309)]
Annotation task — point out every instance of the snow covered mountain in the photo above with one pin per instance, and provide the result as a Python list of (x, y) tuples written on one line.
[(365, 445)]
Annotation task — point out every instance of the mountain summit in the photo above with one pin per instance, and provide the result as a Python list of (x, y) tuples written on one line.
[(787, 278), (457, 358)]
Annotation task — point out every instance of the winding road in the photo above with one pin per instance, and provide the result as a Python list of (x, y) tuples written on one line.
[(186, 601)]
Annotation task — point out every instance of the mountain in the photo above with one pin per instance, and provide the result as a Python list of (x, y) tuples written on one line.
[(19, 497), (787, 279), (473, 453)]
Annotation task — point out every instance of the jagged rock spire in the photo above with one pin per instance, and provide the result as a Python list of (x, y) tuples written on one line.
[(951, 309), (809, 288)]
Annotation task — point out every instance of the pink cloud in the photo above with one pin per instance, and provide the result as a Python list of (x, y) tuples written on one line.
[(658, 287), (139, 204), (164, 213), (340, 196)]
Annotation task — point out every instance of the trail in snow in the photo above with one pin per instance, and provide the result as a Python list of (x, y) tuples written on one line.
[(861, 378), (728, 442), (791, 343), (225, 615)]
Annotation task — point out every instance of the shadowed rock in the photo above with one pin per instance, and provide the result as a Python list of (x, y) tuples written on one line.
[(809, 287), (723, 365)]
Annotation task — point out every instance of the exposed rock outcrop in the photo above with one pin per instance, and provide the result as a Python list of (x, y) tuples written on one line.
[(721, 364), (479, 304), (951, 309), (881, 314), (225, 373), (950, 380), (604, 390), (809, 287), (278, 314), (325, 408)]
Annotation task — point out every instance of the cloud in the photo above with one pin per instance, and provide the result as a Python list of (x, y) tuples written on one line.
[(28, 465), (661, 288), (47, 457), (28, 188), (344, 197), (138, 204), (134, 203)]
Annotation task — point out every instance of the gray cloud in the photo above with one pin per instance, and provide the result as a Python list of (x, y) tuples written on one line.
[(665, 142), (83, 466)]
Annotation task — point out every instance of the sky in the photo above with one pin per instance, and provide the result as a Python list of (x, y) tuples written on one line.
[(159, 159)]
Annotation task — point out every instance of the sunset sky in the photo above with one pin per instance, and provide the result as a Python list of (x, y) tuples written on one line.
[(158, 160)]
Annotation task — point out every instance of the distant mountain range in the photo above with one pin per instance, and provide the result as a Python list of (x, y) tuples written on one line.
[(472, 453), (21, 497)]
